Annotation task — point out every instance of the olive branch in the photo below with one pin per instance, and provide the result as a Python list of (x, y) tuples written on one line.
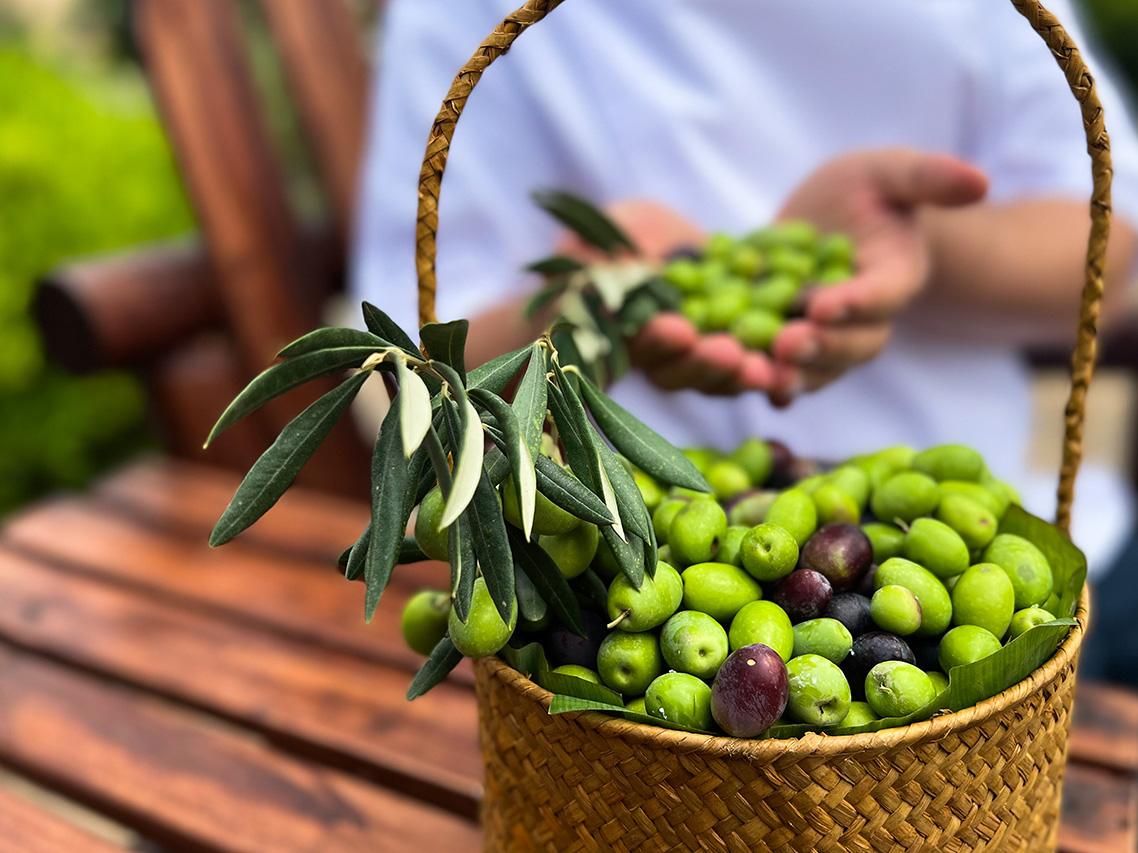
[(454, 428)]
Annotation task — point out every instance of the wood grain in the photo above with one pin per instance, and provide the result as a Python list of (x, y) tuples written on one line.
[(192, 786), (334, 706), (1105, 729), (1100, 811), (27, 828)]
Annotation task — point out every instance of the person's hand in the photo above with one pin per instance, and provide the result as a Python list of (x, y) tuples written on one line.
[(874, 197), (668, 348)]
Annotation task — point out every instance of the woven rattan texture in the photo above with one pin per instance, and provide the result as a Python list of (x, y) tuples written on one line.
[(577, 783)]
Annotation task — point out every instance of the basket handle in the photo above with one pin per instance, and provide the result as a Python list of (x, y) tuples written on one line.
[(1098, 146)]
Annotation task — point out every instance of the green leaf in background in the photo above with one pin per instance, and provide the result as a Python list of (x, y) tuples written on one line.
[(1068, 564), (530, 399), (548, 580), (409, 552), (545, 296), (390, 481), (415, 409), (591, 589), (333, 338), (521, 463), (641, 445), (444, 658), (531, 606), (492, 545), (446, 342), (380, 324), (357, 555), (528, 659), (556, 265), (586, 221), (285, 376), (275, 470), (495, 375), (565, 490)]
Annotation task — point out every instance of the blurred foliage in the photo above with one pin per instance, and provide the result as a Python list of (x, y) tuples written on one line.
[(84, 168), (1116, 26)]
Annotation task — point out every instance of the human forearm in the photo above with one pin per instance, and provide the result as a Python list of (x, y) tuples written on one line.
[(1016, 267)]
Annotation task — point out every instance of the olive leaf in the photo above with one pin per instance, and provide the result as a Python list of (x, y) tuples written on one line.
[(555, 265), (335, 338), (531, 606), (409, 552), (468, 445), (487, 531), (563, 704), (567, 492), (446, 342), (357, 555), (629, 555), (570, 685), (463, 566), (275, 470), (415, 409), (584, 219), (639, 444), (380, 324), (530, 399), (554, 289), (521, 463), (444, 658), (283, 377), (496, 374), (542, 571)]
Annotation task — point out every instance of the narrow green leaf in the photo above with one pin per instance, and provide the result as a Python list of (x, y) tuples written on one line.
[(443, 659), (409, 552), (633, 512), (379, 323), (492, 545), (629, 555), (611, 502), (283, 377), (415, 410), (555, 265), (275, 470), (569, 704), (495, 375), (590, 589), (530, 399), (521, 463), (646, 449), (357, 555), (467, 468), (496, 465), (389, 486), (589, 223), (565, 490), (531, 605), (528, 659), (446, 342), (573, 428), (570, 685), (463, 566), (553, 290), (333, 338), (547, 578)]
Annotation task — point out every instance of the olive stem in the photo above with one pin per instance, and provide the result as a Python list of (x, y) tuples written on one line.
[(624, 615)]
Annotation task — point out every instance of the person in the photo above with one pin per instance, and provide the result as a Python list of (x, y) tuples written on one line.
[(941, 136)]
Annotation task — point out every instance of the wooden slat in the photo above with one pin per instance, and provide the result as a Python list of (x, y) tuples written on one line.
[(346, 710), (191, 786), (1100, 811), (27, 828), (186, 499), (266, 271), (1105, 729), (320, 49), (292, 596)]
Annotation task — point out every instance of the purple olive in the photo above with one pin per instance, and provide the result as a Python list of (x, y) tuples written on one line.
[(564, 648), (868, 651), (750, 691), (842, 552), (803, 594), (852, 610)]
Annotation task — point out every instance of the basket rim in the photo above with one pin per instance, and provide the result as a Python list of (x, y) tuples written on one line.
[(935, 728)]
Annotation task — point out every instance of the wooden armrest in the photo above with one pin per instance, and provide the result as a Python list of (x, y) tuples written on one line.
[(121, 309)]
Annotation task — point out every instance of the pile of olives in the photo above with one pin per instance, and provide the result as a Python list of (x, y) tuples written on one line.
[(749, 286), (792, 594)]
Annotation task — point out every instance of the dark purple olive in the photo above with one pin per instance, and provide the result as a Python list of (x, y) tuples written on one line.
[(926, 651), (868, 651), (842, 552), (564, 647), (803, 594), (865, 585), (750, 691), (781, 462), (852, 610)]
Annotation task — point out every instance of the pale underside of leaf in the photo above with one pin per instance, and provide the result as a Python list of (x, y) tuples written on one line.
[(415, 413), (467, 469), (610, 500), (527, 487)]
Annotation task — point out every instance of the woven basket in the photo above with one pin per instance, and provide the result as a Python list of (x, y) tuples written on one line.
[(984, 779)]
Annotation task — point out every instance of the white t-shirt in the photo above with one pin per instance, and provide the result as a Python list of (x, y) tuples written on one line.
[(719, 109)]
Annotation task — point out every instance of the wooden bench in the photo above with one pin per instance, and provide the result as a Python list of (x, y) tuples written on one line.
[(233, 700)]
